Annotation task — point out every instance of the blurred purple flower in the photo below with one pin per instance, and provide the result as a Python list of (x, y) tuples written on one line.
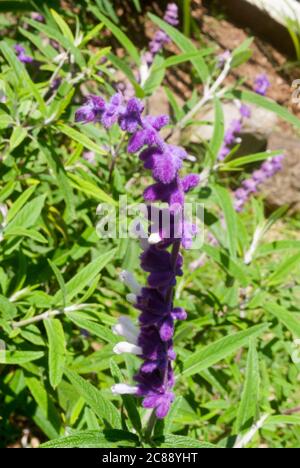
[(249, 186), (22, 55), (262, 84)]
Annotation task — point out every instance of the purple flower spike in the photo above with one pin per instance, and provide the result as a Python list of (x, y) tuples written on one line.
[(261, 84), (267, 170), (152, 341), (161, 38)]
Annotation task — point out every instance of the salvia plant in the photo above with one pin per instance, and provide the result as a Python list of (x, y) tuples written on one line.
[(125, 330)]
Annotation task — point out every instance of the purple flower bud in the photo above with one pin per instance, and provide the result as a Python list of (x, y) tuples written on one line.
[(22, 55), (112, 111), (261, 84), (171, 15), (245, 111), (131, 118), (92, 111)]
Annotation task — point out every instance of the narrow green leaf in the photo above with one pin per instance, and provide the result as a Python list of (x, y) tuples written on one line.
[(80, 138), (225, 201), (84, 277), (253, 98), (57, 350), (18, 135), (120, 36), (103, 408), (227, 264), (63, 26), (94, 439), (20, 202), (19, 357), (219, 350), (171, 441), (218, 135), (284, 270), (28, 215), (91, 189), (287, 318), (248, 407)]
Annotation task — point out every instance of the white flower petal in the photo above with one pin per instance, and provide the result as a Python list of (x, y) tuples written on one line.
[(154, 238), (128, 278), (124, 389), (125, 347)]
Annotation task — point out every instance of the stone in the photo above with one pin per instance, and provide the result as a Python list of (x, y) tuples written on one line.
[(284, 187)]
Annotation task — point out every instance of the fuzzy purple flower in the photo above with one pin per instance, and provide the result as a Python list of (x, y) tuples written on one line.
[(262, 84), (92, 110), (112, 111), (152, 341)]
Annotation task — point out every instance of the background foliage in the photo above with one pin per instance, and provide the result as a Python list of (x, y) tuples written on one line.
[(59, 287)]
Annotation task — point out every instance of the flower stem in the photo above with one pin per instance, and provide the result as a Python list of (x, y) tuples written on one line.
[(150, 426)]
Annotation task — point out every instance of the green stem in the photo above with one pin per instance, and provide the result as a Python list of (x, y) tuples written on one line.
[(150, 426)]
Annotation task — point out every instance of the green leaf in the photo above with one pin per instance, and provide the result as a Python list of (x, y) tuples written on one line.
[(94, 439), (120, 36), (287, 318), (57, 350), (89, 188), (85, 276), (185, 45), (23, 75), (56, 35), (172, 441), (181, 58), (60, 280), (18, 135), (96, 329), (277, 246), (28, 215), (156, 77), (292, 419), (57, 167), (285, 269), (250, 159), (253, 98), (227, 264), (22, 232), (19, 357), (42, 398), (219, 350), (20, 202), (218, 135), (248, 407), (80, 138), (103, 408), (224, 200), (63, 26), (118, 63)]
